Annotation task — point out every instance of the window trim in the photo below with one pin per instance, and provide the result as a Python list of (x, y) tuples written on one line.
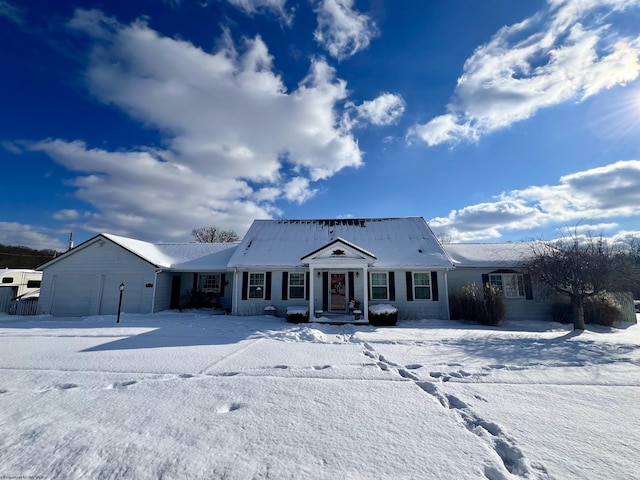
[(258, 286), (385, 286), (203, 282), (303, 285), (519, 284), (417, 285)]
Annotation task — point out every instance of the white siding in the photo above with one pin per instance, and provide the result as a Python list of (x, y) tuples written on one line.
[(82, 280)]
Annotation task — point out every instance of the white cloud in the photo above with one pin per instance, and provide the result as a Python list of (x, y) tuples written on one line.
[(13, 233), (229, 125), (277, 7), (67, 214), (383, 110), (599, 193), (298, 190), (342, 31), (567, 52)]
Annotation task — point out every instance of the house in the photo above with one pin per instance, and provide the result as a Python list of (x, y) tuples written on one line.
[(317, 264), (85, 280), (323, 264), (500, 265), (18, 285)]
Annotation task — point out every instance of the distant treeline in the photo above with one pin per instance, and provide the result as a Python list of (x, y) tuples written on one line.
[(24, 257)]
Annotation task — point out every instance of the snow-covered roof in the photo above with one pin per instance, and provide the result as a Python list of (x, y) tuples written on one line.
[(395, 242), (179, 256), (488, 254)]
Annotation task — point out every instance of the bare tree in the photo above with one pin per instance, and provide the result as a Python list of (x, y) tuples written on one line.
[(214, 234), (578, 268)]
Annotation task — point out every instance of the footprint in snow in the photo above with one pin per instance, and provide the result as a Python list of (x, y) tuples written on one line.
[(226, 408), (118, 385)]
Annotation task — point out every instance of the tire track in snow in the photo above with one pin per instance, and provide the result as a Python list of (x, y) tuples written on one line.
[(513, 458)]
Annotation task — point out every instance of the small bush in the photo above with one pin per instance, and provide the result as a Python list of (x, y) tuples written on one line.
[(466, 304), (297, 315), (383, 315), (199, 299), (601, 310)]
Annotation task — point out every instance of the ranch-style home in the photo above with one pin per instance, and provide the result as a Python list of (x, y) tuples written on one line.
[(327, 268), (318, 264)]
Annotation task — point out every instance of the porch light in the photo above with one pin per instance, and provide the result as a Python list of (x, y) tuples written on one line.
[(357, 274)]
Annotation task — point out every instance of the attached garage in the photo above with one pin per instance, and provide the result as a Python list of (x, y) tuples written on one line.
[(85, 280)]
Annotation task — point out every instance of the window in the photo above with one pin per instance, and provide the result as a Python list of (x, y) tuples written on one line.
[(422, 285), (379, 286), (256, 285), (510, 284), (33, 283), (296, 285), (210, 283)]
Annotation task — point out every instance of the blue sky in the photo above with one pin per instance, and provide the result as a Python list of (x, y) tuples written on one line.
[(495, 121)]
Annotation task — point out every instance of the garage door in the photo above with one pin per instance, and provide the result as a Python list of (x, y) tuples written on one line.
[(131, 297), (72, 295)]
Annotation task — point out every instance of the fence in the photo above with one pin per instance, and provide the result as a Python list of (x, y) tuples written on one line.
[(24, 307)]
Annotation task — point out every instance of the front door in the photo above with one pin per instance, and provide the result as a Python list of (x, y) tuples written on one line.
[(337, 293)]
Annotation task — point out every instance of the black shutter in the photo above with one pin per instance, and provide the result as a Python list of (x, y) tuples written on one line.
[(528, 289), (409, 277), (285, 285), (434, 286), (245, 284), (369, 289), (222, 280), (325, 291), (195, 282), (267, 286), (306, 286), (351, 287), (392, 286), (485, 279)]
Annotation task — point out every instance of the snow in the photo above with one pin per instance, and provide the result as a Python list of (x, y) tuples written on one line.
[(191, 395), (395, 242), (488, 254), (383, 309)]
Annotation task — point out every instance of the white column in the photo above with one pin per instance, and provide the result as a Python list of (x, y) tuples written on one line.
[(312, 310), (365, 300)]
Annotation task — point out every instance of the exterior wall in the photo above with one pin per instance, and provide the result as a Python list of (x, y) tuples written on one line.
[(417, 309), (82, 276), (407, 309), (163, 291), (538, 308)]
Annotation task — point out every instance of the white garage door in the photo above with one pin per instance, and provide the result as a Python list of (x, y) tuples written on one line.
[(131, 297), (72, 295)]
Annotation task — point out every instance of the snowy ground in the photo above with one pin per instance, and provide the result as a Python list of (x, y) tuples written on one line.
[(197, 396)]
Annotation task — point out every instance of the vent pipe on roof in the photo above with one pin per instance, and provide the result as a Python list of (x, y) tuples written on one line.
[(70, 241)]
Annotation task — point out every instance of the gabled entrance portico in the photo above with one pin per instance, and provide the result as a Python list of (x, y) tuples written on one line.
[(338, 274)]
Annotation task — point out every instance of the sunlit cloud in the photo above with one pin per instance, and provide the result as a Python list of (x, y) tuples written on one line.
[(567, 52), (608, 192), (343, 31), (228, 124)]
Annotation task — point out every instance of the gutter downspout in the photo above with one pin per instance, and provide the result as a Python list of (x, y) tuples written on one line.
[(155, 285), (446, 295)]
